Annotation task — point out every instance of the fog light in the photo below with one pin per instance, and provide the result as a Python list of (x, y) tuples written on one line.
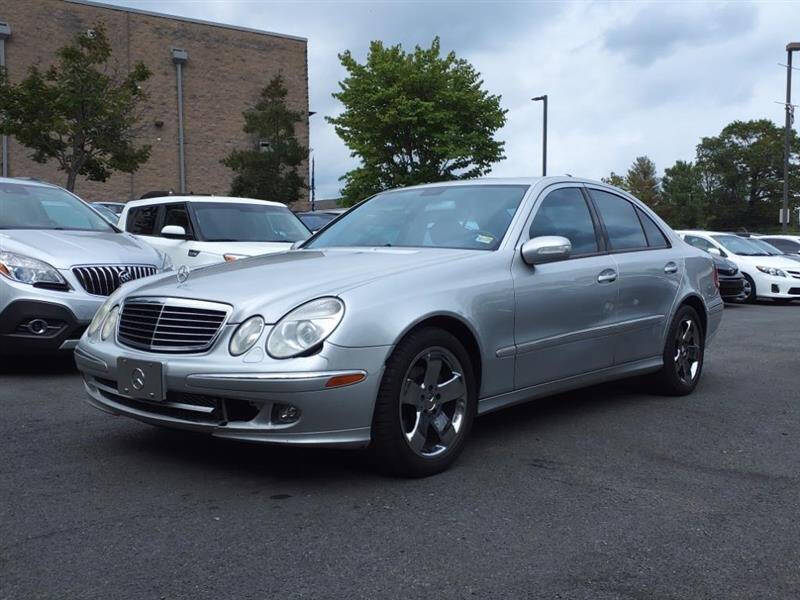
[(775, 289), (285, 413), (37, 326)]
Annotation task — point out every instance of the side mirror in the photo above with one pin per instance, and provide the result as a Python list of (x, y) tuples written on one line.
[(715, 251), (174, 232), (545, 249)]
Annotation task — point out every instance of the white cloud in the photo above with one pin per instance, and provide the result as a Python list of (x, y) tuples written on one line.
[(623, 79)]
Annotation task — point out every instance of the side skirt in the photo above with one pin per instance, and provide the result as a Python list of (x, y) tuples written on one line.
[(639, 367)]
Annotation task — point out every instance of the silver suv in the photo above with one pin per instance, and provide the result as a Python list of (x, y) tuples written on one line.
[(59, 260)]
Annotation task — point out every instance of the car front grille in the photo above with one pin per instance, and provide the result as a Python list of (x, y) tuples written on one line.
[(170, 324), (103, 280)]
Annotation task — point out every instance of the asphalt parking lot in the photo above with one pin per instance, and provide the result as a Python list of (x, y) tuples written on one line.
[(601, 493)]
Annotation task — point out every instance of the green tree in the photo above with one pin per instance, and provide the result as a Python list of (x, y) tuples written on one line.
[(79, 112), (269, 169), (615, 180), (641, 180), (414, 118), (684, 202), (744, 173)]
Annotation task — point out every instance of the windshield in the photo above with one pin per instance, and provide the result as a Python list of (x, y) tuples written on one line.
[(456, 216), (25, 206), (736, 245), (766, 247), (231, 222)]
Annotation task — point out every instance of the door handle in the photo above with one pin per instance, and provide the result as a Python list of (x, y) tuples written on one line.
[(670, 267), (607, 276), (194, 253)]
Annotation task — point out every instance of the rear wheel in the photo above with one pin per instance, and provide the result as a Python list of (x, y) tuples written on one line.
[(749, 290), (426, 404), (684, 351)]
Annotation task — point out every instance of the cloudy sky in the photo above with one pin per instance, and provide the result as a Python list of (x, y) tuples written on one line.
[(624, 79)]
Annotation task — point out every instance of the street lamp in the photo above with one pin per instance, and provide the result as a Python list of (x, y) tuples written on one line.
[(5, 33), (544, 132), (791, 47)]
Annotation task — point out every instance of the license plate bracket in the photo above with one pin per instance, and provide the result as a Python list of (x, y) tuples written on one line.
[(140, 379)]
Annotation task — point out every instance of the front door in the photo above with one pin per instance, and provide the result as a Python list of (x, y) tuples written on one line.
[(565, 309)]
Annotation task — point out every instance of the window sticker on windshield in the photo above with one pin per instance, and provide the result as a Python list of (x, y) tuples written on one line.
[(484, 239)]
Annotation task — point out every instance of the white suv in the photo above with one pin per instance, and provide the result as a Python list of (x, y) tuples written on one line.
[(766, 276), (203, 230)]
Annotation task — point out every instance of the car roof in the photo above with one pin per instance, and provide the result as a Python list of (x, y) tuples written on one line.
[(200, 199), (27, 181)]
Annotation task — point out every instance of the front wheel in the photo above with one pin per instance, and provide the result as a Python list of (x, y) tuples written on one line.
[(426, 404), (749, 290), (684, 351)]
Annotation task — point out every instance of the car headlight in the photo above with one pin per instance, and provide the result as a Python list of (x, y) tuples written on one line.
[(110, 324), (305, 327), (246, 335), (28, 270), (99, 317), (772, 271)]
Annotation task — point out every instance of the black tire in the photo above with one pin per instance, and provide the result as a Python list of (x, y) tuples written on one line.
[(391, 446), (750, 295), (677, 376)]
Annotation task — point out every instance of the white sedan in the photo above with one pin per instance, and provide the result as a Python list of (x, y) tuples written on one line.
[(203, 230), (774, 277)]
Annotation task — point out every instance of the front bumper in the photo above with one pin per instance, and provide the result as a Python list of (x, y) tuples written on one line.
[(227, 397), (731, 287), (769, 286)]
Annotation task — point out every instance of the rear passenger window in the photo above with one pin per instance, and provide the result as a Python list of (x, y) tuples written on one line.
[(142, 220), (564, 212), (622, 225), (655, 237)]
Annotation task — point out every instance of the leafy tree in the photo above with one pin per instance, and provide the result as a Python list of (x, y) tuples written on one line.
[(78, 112), (615, 180), (684, 201), (641, 180), (744, 167), (269, 170), (414, 118)]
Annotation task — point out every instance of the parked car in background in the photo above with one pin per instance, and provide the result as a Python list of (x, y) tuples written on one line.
[(418, 309), (317, 219), (788, 244), (203, 230), (773, 277), (59, 260), (108, 214), (731, 281), (115, 207), (773, 250)]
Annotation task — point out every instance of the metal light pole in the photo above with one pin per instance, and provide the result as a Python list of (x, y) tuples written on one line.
[(544, 132), (787, 135), (179, 58), (5, 33)]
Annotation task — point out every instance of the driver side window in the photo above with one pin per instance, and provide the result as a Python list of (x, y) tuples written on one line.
[(564, 212)]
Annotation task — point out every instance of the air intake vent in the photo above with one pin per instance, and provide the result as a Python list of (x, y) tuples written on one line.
[(171, 324)]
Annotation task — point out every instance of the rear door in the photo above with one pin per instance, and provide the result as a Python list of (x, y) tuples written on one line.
[(563, 309), (650, 271)]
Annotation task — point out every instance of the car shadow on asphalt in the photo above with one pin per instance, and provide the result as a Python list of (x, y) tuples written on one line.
[(52, 364)]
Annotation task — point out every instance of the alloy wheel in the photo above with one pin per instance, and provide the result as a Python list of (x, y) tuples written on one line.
[(687, 350), (433, 402)]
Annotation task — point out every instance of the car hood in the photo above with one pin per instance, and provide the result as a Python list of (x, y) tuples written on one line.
[(63, 249), (272, 284), (778, 262)]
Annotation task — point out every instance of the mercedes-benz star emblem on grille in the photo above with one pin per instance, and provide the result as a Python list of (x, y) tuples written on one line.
[(137, 379), (124, 276), (182, 274)]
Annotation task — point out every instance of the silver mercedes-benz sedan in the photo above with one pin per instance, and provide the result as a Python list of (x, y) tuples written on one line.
[(397, 324)]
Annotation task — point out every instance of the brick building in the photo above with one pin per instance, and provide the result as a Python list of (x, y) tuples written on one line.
[(225, 68)]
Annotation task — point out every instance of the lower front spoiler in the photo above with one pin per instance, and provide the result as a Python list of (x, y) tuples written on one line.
[(242, 431)]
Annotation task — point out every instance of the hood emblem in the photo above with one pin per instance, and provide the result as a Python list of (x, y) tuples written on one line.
[(182, 274), (124, 276)]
